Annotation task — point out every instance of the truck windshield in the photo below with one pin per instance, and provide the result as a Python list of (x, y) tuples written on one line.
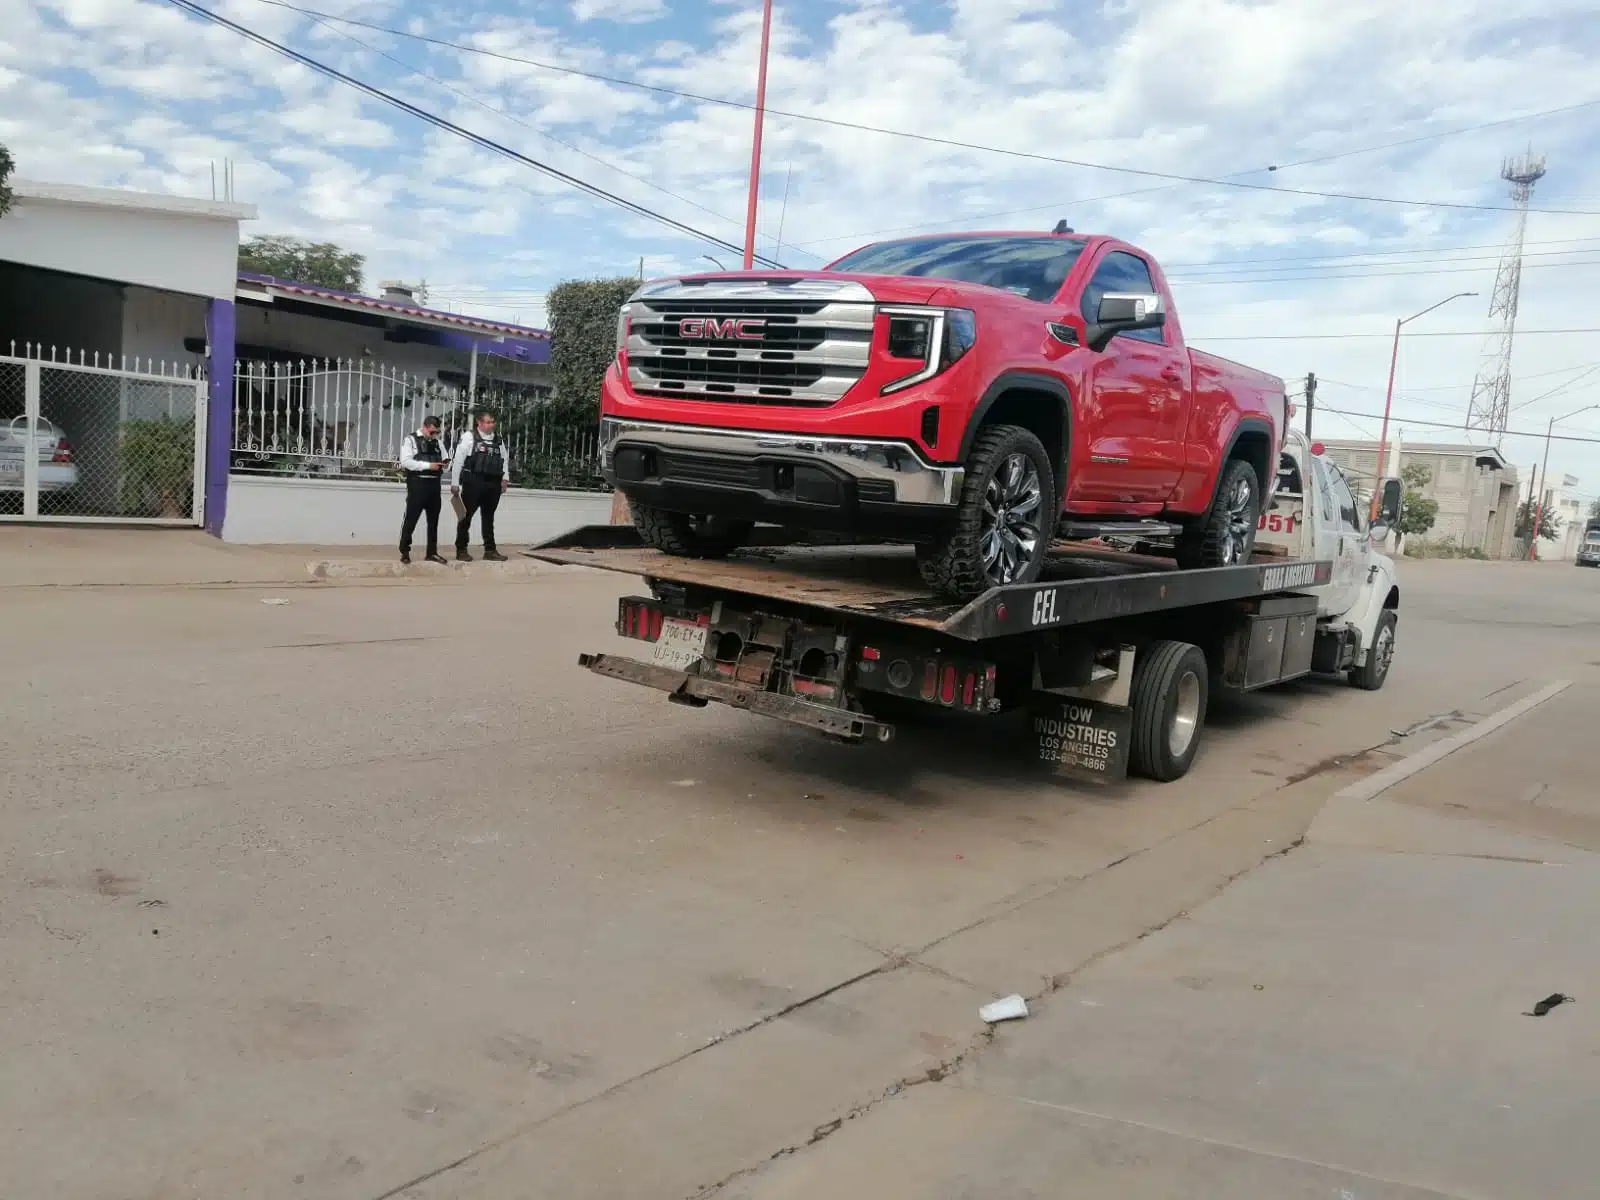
[(1034, 267)]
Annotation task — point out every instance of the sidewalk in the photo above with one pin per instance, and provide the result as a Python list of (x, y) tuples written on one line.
[(88, 556), (1345, 1021)]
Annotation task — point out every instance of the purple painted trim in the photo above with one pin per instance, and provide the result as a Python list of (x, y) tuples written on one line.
[(220, 325)]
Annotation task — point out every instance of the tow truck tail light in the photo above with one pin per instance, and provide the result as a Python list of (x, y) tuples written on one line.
[(639, 619), (63, 452)]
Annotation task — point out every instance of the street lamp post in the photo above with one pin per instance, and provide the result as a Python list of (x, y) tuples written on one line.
[(1388, 399), (1544, 478), (755, 147)]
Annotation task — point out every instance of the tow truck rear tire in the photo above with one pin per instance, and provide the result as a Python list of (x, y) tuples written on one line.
[(1004, 522), (1370, 675), (684, 536), (1225, 536), (1171, 685)]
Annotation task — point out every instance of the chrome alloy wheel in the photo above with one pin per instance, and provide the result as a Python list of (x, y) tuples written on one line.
[(1009, 533), (1241, 519), (1185, 715), (1384, 650)]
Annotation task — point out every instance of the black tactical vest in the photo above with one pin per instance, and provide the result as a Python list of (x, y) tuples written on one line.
[(428, 449), (487, 460)]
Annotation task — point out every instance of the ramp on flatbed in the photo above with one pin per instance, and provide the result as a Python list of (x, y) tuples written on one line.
[(882, 582)]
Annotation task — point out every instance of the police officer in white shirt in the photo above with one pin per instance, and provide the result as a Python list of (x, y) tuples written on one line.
[(480, 477), (423, 461)]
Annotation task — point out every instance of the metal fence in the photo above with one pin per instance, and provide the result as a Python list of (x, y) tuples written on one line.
[(94, 438), (347, 418)]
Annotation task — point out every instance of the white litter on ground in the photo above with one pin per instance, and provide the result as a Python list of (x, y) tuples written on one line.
[(274, 600), (1011, 1008)]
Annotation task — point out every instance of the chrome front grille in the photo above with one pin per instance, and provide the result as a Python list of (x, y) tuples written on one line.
[(798, 342)]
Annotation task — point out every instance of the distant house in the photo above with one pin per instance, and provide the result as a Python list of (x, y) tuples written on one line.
[(338, 379), (1474, 485), (144, 380)]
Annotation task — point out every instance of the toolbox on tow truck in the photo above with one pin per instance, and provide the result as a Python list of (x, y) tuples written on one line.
[(1114, 655)]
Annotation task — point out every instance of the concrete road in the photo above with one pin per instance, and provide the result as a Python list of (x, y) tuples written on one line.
[(373, 893), (1358, 1018)]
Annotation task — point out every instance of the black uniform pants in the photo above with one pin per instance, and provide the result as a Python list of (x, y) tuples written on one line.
[(477, 496), (422, 496)]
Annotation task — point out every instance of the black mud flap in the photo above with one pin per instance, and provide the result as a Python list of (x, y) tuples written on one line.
[(1081, 739)]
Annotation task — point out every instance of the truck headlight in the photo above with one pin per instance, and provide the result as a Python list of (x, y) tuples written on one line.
[(935, 338), (624, 327)]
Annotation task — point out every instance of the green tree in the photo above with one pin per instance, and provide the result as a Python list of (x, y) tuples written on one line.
[(1417, 512), (295, 260), (5, 176), (1549, 522), (583, 342)]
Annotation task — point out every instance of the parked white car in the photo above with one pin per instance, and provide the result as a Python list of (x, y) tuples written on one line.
[(57, 471)]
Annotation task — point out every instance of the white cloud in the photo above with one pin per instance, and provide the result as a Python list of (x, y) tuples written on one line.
[(135, 93), (629, 12)]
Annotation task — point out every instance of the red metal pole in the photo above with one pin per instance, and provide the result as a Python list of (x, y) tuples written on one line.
[(755, 149), (1383, 437)]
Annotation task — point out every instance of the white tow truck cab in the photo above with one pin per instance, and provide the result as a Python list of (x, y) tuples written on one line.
[(1315, 515)]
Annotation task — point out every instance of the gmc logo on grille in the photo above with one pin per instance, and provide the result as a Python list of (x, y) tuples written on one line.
[(742, 329)]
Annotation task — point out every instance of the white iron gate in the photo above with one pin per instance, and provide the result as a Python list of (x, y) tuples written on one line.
[(81, 441)]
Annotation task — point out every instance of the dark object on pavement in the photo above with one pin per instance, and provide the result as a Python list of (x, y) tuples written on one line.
[(1554, 1000)]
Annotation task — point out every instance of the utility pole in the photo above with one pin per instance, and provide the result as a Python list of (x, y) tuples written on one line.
[(1544, 476), (1311, 398), (755, 147)]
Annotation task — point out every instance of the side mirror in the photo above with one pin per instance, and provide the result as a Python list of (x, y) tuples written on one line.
[(1391, 495), (1124, 312)]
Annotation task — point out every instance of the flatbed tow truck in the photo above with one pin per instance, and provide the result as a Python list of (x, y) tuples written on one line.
[(1115, 655)]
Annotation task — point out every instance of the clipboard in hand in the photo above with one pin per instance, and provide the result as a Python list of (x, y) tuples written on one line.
[(458, 506)]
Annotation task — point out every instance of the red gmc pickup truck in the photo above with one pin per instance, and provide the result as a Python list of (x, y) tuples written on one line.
[(976, 395)]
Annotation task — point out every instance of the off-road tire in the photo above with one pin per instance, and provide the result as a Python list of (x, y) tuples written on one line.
[(1371, 675), (686, 536), (953, 566), (1158, 692), (1206, 542)]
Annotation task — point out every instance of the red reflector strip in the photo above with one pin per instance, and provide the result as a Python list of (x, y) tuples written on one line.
[(930, 681), (947, 686), (870, 654), (966, 691), (655, 625)]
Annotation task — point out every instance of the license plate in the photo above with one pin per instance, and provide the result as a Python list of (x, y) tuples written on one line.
[(682, 644)]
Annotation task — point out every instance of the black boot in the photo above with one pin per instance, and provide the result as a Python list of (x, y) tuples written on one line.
[(493, 556), (405, 558), (438, 558), (463, 556)]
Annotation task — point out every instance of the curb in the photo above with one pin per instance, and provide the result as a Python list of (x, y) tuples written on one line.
[(1375, 785), (516, 569)]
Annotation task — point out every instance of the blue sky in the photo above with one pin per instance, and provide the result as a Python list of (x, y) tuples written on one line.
[(135, 93)]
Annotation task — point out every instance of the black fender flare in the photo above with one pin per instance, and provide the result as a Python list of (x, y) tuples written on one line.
[(1247, 425), (1020, 380)]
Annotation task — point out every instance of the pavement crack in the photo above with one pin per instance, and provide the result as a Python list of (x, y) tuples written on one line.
[(888, 965)]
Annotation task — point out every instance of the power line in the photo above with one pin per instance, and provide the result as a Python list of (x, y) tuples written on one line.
[(512, 117), (1426, 255), (1328, 337), (477, 139), (1191, 281), (1524, 433), (954, 143)]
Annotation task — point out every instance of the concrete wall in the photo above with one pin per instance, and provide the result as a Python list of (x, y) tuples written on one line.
[(155, 326), (266, 511), (161, 242)]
